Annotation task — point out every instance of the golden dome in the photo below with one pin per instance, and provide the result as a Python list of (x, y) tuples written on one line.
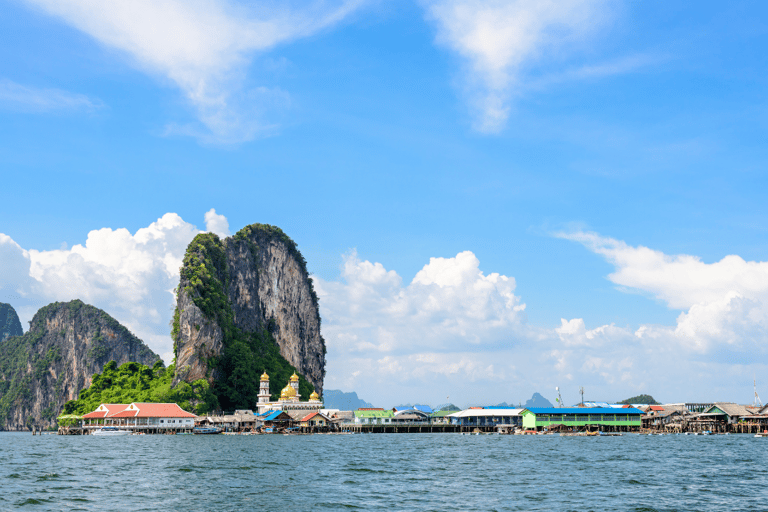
[(314, 396), (264, 376), (294, 377), (288, 392)]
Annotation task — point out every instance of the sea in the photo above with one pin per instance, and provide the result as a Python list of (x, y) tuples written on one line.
[(383, 472)]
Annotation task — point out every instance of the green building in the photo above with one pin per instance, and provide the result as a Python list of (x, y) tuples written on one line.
[(581, 418)]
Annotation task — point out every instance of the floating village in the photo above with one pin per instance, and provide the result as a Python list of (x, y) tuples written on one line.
[(289, 415)]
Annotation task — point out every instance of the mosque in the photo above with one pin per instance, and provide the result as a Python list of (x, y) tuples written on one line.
[(289, 398)]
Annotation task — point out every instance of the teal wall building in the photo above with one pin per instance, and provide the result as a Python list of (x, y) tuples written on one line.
[(607, 419)]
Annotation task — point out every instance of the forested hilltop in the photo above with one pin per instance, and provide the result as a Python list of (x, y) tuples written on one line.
[(246, 304), (67, 343)]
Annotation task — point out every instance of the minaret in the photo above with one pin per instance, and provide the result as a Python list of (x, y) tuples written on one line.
[(264, 388), (295, 385)]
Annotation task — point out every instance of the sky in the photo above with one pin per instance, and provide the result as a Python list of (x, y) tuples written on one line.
[(494, 198)]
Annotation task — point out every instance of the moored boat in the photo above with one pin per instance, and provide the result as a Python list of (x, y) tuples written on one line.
[(110, 431), (206, 430)]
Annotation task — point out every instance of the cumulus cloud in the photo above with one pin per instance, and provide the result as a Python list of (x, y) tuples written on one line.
[(130, 275), (724, 302), (215, 223), (25, 98), (497, 39), (203, 47)]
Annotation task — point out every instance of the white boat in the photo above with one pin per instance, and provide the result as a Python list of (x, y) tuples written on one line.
[(110, 431)]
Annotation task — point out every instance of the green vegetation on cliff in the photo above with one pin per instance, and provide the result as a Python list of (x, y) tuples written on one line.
[(9, 322), (134, 382), (245, 354), (640, 399)]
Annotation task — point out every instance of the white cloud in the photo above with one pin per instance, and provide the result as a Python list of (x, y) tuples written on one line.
[(498, 38), (202, 46), (33, 99), (726, 301), (215, 223), (130, 276)]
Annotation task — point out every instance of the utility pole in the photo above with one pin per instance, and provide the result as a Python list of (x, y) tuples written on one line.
[(581, 391)]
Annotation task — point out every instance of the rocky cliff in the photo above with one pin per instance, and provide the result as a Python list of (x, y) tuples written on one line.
[(246, 304), (66, 344), (9, 322)]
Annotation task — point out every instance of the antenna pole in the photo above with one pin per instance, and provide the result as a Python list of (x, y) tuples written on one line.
[(581, 390)]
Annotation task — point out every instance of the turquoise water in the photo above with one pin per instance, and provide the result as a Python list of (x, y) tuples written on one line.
[(383, 471)]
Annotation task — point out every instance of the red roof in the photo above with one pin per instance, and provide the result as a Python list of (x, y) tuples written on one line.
[(310, 416), (145, 410), (110, 409), (656, 408)]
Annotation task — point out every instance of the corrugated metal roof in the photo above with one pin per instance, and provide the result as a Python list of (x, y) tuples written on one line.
[(373, 414), (272, 416), (487, 412)]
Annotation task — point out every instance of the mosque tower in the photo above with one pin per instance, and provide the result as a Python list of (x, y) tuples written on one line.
[(264, 388), (295, 385)]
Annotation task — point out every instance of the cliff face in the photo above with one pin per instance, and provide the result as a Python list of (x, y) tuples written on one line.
[(66, 344), (9, 322), (250, 291)]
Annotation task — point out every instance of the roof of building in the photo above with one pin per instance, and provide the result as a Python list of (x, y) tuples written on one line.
[(410, 416), (730, 409), (313, 414), (104, 409), (581, 410), (367, 413), (148, 410), (466, 413), (275, 415)]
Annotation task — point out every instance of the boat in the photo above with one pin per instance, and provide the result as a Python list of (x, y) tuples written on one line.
[(111, 431), (762, 434), (206, 430)]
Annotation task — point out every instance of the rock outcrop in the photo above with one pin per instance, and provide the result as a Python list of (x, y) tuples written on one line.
[(252, 288), (9, 322), (66, 344)]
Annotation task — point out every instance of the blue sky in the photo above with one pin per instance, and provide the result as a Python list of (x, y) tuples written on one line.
[(554, 142)]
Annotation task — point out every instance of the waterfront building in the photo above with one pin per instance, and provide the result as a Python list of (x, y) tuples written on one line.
[(315, 419), (272, 419), (410, 416), (490, 417), (290, 399), (373, 416), (98, 417), (539, 418), (142, 417)]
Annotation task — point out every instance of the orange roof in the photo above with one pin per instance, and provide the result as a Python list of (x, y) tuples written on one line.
[(110, 409), (145, 410), (656, 408), (310, 416)]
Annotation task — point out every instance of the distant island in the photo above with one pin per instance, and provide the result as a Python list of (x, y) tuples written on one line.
[(336, 399), (640, 399)]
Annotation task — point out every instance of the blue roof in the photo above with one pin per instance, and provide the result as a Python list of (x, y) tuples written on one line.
[(272, 415), (423, 408), (583, 410)]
